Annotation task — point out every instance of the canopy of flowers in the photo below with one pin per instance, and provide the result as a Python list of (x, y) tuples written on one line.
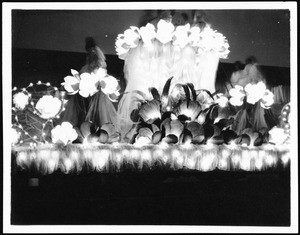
[(202, 41)]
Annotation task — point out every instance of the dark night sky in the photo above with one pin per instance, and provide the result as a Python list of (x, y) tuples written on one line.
[(262, 33)]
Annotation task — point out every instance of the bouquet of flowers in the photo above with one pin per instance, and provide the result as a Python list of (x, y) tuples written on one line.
[(185, 115)]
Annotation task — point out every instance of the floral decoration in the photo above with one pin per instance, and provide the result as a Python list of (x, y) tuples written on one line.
[(201, 41)]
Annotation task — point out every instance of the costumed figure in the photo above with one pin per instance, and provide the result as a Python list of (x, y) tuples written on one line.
[(160, 50), (96, 108)]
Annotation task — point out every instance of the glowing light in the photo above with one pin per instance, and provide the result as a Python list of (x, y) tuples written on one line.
[(146, 156), (68, 164), (285, 158), (48, 84), (39, 82)]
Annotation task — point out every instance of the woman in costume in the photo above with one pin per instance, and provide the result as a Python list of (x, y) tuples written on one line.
[(97, 109), (166, 51)]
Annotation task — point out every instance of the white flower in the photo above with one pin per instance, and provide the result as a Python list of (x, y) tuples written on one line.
[(14, 136), (194, 36), (255, 92), (267, 100), (121, 47), (237, 95), (20, 100), (206, 41), (88, 84), (132, 37), (221, 100), (277, 135), (71, 83), (64, 133), (147, 34), (181, 35), (48, 106), (109, 84), (212, 40), (164, 31), (100, 74)]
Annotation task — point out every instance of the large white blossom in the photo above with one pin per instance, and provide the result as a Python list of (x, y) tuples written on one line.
[(255, 92), (237, 95), (132, 36), (211, 40), (267, 100), (164, 31), (147, 34), (109, 84), (71, 83), (121, 47), (277, 135), (64, 133), (48, 106), (88, 84), (181, 35), (20, 100), (221, 100), (194, 36)]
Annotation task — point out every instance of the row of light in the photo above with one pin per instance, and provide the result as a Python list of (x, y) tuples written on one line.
[(48, 160)]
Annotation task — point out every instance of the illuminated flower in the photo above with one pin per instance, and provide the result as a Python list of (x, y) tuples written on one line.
[(147, 34), (21, 100), (150, 111), (132, 36), (191, 111), (14, 136), (164, 31), (121, 47), (181, 35), (194, 36), (212, 40), (88, 84), (64, 133), (100, 73), (267, 100), (71, 83), (255, 92), (207, 41), (221, 45), (109, 84), (221, 100), (48, 106), (237, 95), (277, 135)]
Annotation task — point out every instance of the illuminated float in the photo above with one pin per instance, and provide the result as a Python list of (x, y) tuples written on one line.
[(174, 126)]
